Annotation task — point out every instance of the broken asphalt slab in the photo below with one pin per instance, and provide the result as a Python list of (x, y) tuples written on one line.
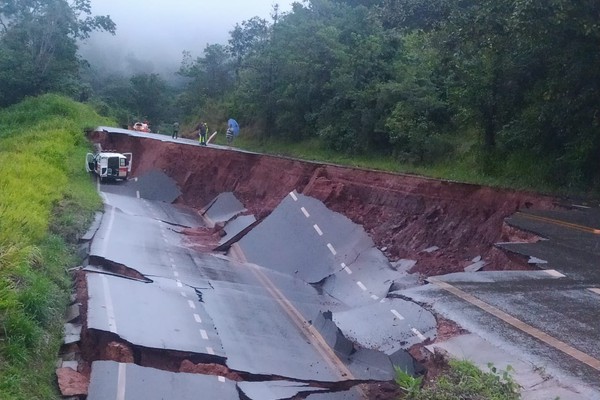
[(368, 278), (235, 227), (223, 208), (159, 315), (302, 237), (111, 380), (156, 185)]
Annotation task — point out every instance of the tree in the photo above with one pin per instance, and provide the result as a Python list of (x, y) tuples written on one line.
[(38, 50), (210, 77), (149, 97)]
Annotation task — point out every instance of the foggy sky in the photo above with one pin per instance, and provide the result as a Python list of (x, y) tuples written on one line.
[(152, 34)]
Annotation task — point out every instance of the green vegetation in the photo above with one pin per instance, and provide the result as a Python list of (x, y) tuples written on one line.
[(495, 91), (462, 380), (498, 92), (45, 196)]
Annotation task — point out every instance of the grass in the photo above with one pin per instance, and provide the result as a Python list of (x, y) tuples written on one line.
[(468, 164), (463, 380), (46, 202)]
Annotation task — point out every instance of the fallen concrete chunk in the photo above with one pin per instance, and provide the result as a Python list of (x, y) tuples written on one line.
[(535, 260), (72, 312), (72, 333), (476, 266)]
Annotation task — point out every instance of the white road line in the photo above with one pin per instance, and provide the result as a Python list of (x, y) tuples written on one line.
[(173, 265), (191, 304), (184, 294), (121, 381), (419, 334), (175, 274), (595, 290), (554, 273), (348, 270), (203, 334), (330, 247), (222, 379), (110, 311), (179, 284), (306, 214), (197, 318), (294, 196), (374, 297), (172, 260), (210, 351), (319, 231), (137, 194), (360, 285), (111, 220), (397, 315)]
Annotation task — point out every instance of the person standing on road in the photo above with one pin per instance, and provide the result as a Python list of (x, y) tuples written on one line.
[(229, 134), (202, 129), (175, 134)]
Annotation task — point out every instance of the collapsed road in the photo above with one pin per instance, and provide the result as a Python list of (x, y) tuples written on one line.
[(235, 275)]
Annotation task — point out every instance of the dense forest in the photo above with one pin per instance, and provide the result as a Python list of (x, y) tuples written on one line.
[(502, 81)]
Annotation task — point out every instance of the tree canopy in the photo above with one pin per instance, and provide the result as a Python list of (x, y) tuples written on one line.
[(503, 81), (416, 79), (38, 50)]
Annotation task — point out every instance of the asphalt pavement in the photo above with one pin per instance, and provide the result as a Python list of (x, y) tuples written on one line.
[(546, 319), (260, 317), (303, 296)]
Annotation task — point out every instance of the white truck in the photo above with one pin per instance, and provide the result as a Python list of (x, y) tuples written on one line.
[(109, 165)]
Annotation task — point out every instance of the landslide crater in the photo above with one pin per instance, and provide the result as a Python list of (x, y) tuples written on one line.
[(442, 225)]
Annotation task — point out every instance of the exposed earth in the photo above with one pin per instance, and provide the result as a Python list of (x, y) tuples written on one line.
[(442, 225)]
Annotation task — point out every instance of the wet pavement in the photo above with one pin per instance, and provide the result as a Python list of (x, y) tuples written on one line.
[(300, 307), (305, 296), (545, 318), (111, 380)]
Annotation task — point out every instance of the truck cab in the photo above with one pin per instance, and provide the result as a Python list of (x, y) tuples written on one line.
[(109, 165)]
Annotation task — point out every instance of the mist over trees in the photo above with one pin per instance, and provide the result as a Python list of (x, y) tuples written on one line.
[(38, 46), (501, 82)]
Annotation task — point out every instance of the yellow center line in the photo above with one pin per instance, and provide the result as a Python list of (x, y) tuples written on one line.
[(522, 326), (309, 331), (561, 223)]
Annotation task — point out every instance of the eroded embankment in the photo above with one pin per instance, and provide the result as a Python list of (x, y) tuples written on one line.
[(404, 214)]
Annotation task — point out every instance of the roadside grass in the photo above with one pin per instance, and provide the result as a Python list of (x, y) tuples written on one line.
[(468, 164), (463, 380), (45, 197)]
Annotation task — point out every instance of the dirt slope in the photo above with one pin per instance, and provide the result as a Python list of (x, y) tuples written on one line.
[(404, 214)]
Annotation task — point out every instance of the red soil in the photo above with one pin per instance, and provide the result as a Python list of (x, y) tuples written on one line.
[(403, 214)]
